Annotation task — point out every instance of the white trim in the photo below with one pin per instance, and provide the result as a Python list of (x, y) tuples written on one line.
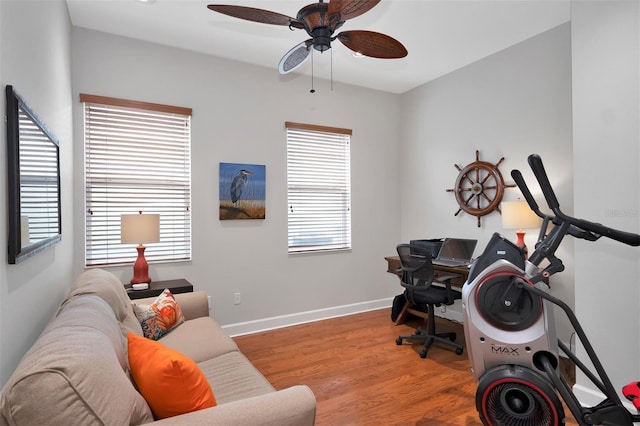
[(282, 321), (590, 397), (272, 323)]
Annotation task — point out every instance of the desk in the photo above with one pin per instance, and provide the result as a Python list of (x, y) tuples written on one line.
[(394, 267)]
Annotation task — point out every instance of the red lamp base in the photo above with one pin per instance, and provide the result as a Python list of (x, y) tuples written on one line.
[(140, 268), (520, 243)]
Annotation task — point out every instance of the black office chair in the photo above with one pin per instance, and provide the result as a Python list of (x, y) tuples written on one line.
[(418, 279)]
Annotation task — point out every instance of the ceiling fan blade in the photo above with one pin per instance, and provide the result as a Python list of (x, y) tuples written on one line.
[(256, 15), (349, 9), (373, 44), (295, 57)]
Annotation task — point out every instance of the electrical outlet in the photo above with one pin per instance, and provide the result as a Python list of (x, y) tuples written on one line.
[(236, 298), (443, 309)]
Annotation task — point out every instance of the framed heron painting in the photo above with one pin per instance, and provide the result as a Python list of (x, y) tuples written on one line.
[(242, 191)]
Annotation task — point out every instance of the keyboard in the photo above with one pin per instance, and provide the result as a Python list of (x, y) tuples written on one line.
[(450, 262)]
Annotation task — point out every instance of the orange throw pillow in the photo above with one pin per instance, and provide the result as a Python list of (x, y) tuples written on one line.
[(171, 383)]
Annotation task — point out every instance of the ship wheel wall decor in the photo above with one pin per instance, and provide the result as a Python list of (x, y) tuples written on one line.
[(479, 188)]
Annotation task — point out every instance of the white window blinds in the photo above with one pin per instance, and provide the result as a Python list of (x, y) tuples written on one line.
[(137, 158), (319, 188), (39, 183)]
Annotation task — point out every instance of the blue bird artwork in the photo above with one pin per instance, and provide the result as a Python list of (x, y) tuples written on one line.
[(242, 191), (238, 183)]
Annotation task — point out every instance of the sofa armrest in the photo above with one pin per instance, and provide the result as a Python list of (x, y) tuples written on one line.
[(294, 406), (193, 304)]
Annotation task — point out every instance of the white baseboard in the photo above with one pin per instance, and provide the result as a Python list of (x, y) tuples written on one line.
[(589, 397), (272, 323)]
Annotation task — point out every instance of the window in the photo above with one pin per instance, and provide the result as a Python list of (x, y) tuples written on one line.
[(137, 158), (319, 188)]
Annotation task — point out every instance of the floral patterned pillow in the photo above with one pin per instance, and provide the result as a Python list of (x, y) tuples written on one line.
[(160, 317)]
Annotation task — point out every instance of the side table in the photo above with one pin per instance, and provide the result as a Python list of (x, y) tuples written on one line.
[(156, 287)]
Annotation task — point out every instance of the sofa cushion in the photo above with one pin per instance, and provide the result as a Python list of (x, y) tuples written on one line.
[(234, 377), (160, 317), (74, 372), (199, 339), (171, 383), (109, 288)]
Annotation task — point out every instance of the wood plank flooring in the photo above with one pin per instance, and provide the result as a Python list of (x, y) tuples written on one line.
[(361, 377)]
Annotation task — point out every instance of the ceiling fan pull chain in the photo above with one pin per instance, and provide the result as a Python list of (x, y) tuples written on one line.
[(331, 53), (312, 89)]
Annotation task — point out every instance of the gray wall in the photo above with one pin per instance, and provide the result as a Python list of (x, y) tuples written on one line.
[(238, 116), (510, 104), (35, 57), (606, 104)]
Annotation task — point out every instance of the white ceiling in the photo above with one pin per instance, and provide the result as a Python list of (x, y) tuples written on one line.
[(440, 35)]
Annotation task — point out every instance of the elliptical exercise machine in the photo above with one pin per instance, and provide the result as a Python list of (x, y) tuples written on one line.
[(510, 329)]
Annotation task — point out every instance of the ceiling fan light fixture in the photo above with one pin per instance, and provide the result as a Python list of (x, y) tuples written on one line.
[(295, 57), (321, 43)]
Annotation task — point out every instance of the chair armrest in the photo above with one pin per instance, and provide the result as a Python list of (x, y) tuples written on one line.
[(444, 278), (294, 406), (193, 304)]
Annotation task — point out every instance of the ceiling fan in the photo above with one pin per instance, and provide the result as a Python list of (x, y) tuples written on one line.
[(320, 21)]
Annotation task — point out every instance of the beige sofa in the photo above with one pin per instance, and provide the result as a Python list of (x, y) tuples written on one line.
[(77, 371)]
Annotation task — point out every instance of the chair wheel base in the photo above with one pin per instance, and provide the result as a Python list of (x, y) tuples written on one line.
[(447, 339)]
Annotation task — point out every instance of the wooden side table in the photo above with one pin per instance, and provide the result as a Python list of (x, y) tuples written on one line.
[(156, 287)]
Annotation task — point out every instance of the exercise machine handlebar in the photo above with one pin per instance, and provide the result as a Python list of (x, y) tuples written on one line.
[(573, 230), (535, 162)]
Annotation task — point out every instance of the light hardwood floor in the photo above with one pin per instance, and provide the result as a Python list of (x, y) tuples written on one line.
[(361, 377)]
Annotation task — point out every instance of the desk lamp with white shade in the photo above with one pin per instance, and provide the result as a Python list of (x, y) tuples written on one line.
[(140, 229), (518, 215)]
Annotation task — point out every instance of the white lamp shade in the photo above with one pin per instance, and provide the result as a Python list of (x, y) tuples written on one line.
[(518, 215), (140, 228)]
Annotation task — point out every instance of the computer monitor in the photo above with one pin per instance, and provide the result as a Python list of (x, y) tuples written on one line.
[(456, 251), (431, 244)]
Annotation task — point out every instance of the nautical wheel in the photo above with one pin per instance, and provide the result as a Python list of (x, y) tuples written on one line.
[(479, 188)]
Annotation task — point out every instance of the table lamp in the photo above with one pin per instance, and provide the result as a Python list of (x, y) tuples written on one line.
[(140, 229), (518, 215)]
